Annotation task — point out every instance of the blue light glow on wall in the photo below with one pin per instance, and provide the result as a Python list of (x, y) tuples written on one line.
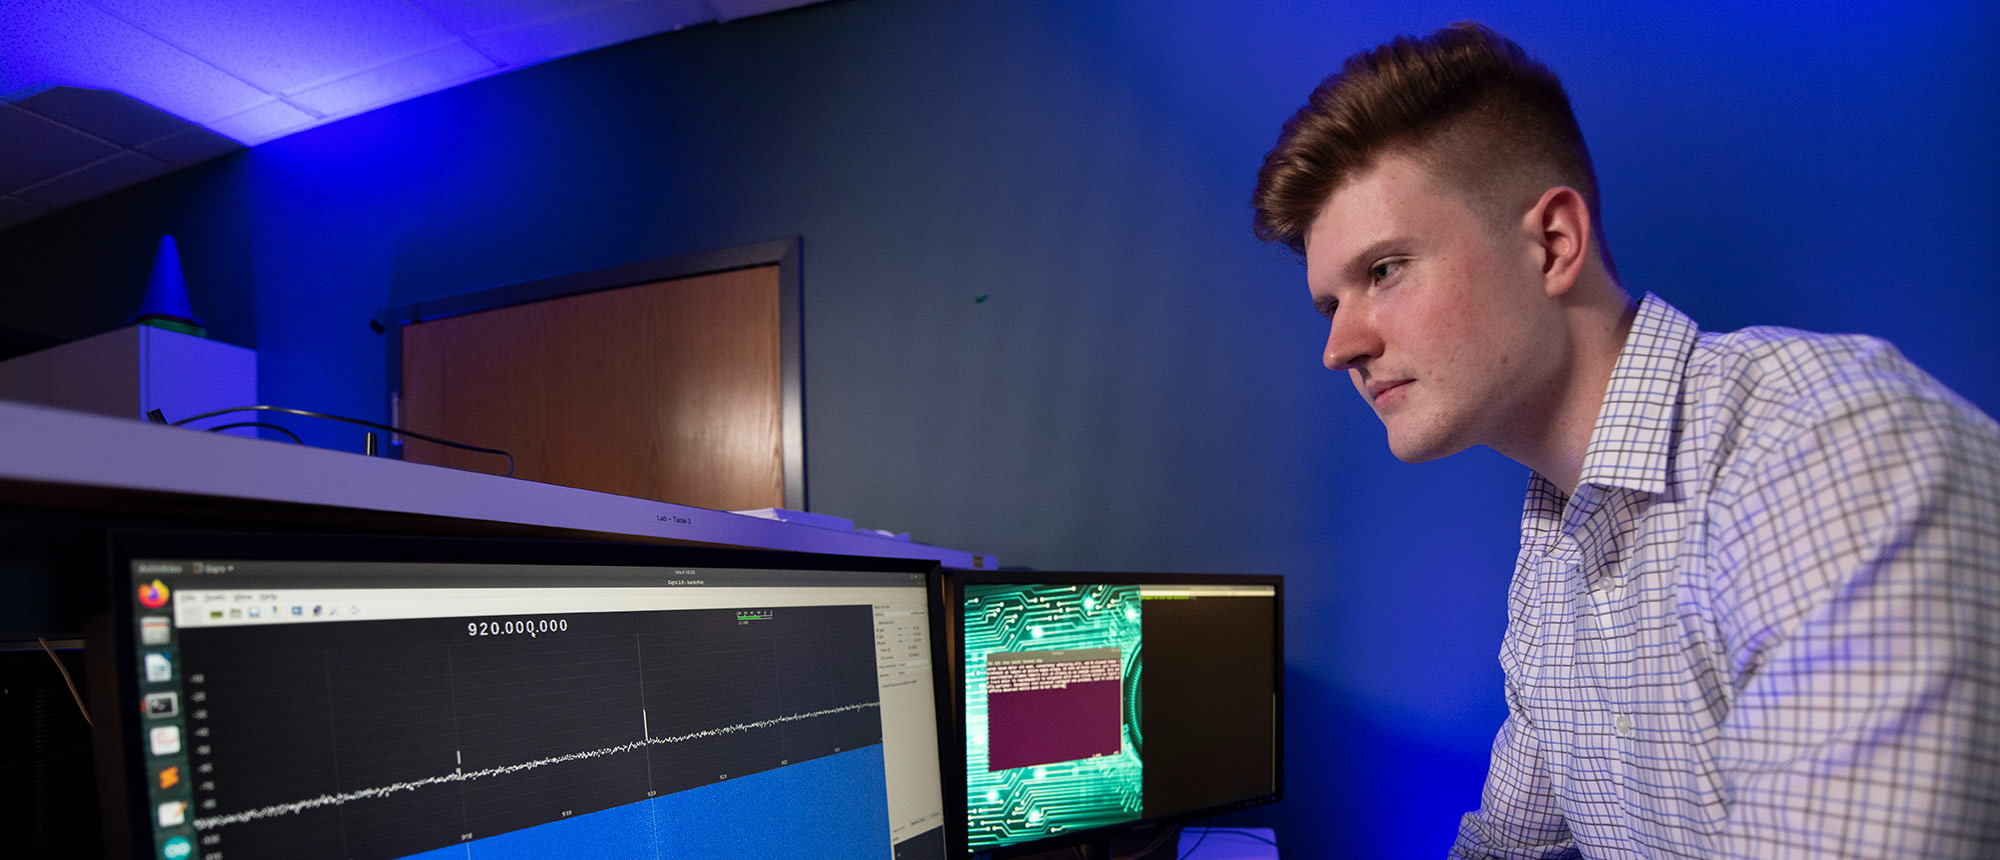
[(1141, 388)]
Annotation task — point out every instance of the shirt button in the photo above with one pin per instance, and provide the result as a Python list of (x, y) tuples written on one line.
[(1624, 724)]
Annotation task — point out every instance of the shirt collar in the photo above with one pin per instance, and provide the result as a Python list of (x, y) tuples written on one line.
[(1633, 439)]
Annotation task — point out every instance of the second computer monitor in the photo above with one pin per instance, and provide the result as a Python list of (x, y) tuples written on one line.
[(1086, 706)]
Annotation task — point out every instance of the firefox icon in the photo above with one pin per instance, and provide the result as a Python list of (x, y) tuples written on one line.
[(153, 595)]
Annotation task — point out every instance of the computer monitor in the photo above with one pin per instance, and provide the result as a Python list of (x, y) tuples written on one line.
[(370, 698), (1086, 707)]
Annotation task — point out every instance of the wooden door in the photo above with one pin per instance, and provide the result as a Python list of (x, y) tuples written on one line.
[(670, 390)]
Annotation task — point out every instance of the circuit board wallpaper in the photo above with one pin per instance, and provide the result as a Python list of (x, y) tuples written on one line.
[(1057, 643)]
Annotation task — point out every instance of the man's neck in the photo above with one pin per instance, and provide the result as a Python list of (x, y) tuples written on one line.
[(1596, 326)]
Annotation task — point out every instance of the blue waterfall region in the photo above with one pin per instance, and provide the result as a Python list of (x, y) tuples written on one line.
[(831, 807)]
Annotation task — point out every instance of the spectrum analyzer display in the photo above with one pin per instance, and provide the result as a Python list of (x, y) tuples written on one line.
[(302, 708)]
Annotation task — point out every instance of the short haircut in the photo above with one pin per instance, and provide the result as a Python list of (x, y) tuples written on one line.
[(1471, 106)]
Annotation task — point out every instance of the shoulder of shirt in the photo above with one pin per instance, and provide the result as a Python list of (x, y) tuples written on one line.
[(1775, 426), (1763, 385)]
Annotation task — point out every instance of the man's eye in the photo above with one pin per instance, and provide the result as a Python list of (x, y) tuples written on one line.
[(1384, 269)]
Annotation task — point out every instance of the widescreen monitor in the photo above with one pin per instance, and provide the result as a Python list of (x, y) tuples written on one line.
[(357, 698), (1085, 707)]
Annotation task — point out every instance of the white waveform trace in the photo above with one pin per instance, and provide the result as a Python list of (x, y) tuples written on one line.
[(338, 798)]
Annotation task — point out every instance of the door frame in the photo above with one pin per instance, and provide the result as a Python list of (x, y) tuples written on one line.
[(785, 253)]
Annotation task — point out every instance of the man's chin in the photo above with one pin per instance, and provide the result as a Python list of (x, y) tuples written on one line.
[(1422, 450)]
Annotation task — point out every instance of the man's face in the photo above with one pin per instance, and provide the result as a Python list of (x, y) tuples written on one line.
[(1438, 315)]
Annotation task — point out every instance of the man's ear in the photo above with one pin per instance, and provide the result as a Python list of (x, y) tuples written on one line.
[(1559, 223)]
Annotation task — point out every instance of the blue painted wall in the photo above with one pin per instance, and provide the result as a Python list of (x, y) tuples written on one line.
[(1141, 388)]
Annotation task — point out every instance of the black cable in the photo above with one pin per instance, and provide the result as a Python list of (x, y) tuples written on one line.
[(221, 427), (15, 765), (67, 680), (398, 430), (1197, 844), (1248, 833)]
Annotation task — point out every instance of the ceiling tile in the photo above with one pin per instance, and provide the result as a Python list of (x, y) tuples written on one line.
[(263, 122), (14, 210), (71, 42), (591, 29), (407, 78), (193, 145), (116, 117), (34, 148), (111, 174), (285, 45)]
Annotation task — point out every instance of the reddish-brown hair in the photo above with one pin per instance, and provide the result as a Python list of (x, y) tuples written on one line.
[(1470, 105)]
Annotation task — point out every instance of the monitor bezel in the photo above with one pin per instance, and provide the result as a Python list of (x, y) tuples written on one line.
[(948, 644), (111, 636)]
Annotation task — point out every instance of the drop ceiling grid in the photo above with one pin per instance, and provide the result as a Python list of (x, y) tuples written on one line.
[(73, 43), (62, 146), (256, 71)]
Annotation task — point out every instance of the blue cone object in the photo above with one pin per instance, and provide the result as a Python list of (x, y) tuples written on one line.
[(166, 302)]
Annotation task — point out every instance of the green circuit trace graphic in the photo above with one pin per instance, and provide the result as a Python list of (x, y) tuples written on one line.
[(1018, 804)]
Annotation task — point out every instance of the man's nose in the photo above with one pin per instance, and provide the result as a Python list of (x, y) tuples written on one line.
[(1351, 341)]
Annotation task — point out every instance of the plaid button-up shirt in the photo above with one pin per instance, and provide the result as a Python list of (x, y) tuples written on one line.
[(1767, 623)]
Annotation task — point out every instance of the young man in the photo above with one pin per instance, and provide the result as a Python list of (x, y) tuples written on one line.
[(1756, 610)]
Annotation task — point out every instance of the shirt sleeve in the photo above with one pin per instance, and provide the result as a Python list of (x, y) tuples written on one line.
[(1857, 577), (1517, 815)]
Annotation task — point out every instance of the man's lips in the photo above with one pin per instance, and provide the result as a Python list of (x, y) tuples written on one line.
[(1385, 393)]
